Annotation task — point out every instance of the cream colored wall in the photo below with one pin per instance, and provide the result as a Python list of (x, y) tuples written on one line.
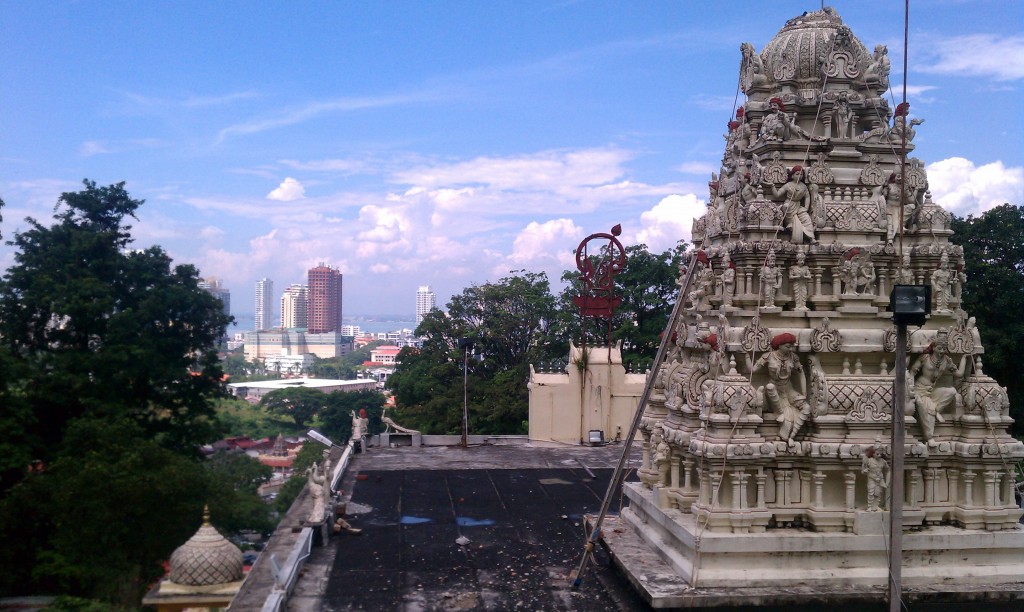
[(565, 407)]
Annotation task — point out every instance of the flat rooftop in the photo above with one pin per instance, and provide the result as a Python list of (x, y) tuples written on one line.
[(520, 506)]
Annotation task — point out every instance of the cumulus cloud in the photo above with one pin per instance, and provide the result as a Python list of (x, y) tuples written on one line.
[(977, 55), (538, 241), (288, 191), (963, 188), (669, 221)]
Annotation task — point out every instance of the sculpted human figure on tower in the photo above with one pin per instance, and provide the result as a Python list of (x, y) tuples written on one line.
[(785, 393), (796, 206), (931, 400)]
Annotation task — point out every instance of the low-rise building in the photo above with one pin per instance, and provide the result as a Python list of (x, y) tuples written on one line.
[(253, 391)]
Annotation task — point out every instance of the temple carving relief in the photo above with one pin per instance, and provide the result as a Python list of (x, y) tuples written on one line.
[(774, 407)]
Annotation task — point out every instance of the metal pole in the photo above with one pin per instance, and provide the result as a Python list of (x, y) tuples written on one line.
[(465, 397), (637, 417), (896, 473)]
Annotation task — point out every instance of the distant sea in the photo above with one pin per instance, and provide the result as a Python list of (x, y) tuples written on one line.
[(367, 323)]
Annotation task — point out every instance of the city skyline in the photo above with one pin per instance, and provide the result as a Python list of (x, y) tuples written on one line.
[(412, 144)]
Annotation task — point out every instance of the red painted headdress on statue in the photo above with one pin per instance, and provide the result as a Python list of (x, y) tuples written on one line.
[(702, 257), (739, 113), (712, 341), (778, 102), (902, 109), (781, 339), (794, 170)]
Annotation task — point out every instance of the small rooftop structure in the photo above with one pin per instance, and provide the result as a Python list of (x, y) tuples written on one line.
[(205, 573)]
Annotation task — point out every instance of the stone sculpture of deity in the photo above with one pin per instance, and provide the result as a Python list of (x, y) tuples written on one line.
[(771, 280), (799, 276), (904, 274), (930, 400), (942, 280), (777, 126), (318, 491), (857, 273), (875, 468), (662, 453), (728, 279), (796, 206), (785, 392), (842, 116)]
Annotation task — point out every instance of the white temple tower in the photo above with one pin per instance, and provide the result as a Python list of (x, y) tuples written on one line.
[(756, 439)]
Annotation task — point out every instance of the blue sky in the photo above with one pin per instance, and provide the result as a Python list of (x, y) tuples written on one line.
[(443, 143)]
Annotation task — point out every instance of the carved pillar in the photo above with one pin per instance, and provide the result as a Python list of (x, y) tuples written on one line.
[(674, 474), (819, 493), (747, 281), (646, 463), (817, 281), (687, 477), (914, 490), (836, 285), (991, 484), (827, 121), (969, 488), (953, 475), (1008, 482), (716, 484), (851, 489), (739, 489), (805, 486), (781, 482), (883, 283), (705, 486), (761, 477), (931, 481)]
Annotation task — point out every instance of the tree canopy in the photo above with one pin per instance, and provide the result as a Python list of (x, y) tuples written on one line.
[(109, 369), (993, 246)]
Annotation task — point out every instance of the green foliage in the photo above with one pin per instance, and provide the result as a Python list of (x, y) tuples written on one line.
[(647, 285), (336, 416), (66, 603), (100, 519), (311, 452), (993, 246), (240, 418), (104, 330), (234, 478), (109, 376), (299, 403), (346, 367), (508, 323)]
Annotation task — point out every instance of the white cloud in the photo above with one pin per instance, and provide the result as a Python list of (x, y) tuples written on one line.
[(537, 241), (697, 167), (92, 147), (288, 191), (963, 188), (669, 221), (977, 55)]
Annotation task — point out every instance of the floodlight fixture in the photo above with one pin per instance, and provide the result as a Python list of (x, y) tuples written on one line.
[(910, 304)]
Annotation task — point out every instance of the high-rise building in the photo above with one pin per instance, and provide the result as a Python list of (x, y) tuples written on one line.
[(214, 287), (294, 304), (324, 311), (264, 304), (425, 302)]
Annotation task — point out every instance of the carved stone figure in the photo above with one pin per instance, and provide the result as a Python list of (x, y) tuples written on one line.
[(875, 468), (742, 136), (842, 115), (747, 191), (904, 274), (317, 489), (752, 73), (785, 392), (662, 454), (799, 276), (878, 70), (941, 284), (728, 279), (771, 280), (777, 126), (931, 400), (857, 272), (900, 125), (796, 206)]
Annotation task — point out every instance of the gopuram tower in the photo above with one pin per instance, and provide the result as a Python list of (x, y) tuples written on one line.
[(766, 438)]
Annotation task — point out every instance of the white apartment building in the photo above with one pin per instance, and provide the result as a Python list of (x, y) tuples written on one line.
[(425, 302), (294, 305), (264, 304)]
